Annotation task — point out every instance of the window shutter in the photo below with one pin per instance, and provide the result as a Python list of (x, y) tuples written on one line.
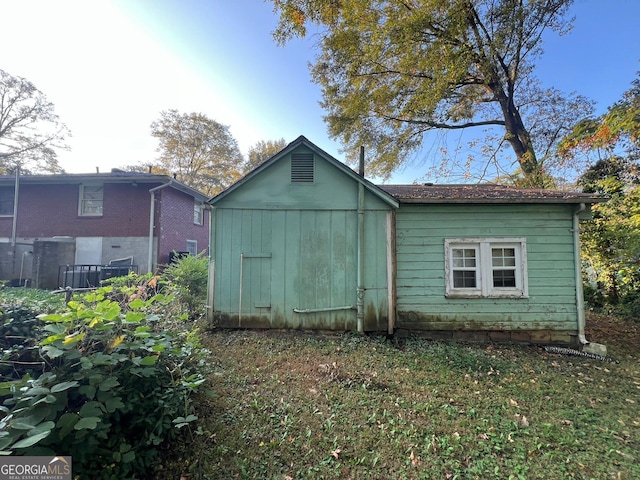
[(302, 168)]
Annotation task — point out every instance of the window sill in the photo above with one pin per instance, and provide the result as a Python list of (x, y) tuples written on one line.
[(514, 295)]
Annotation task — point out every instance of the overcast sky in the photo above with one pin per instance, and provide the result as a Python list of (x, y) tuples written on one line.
[(110, 67)]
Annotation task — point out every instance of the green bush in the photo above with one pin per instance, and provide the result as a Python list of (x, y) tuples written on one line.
[(117, 386), (20, 330), (189, 274)]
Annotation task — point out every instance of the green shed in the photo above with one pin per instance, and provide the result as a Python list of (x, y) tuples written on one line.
[(304, 242)]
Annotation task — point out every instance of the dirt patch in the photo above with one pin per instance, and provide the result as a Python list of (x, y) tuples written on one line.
[(612, 331)]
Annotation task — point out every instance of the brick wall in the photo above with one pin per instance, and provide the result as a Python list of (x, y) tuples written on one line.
[(45, 211), (174, 224), (52, 210)]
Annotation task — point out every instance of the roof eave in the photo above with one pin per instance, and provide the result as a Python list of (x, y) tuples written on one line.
[(505, 201)]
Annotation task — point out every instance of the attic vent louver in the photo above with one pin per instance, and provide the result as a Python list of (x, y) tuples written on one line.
[(302, 168)]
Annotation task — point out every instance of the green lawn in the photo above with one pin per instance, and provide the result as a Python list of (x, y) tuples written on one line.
[(295, 406)]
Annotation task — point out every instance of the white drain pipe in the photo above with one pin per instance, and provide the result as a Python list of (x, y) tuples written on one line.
[(152, 214), (578, 268)]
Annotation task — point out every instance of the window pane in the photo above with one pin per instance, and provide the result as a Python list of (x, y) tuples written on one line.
[(92, 206), (503, 257), (504, 278), (6, 200), (192, 247), (464, 279), (91, 200), (93, 193), (464, 258), (197, 213)]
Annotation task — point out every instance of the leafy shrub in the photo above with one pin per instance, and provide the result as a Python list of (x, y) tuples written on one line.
[(41, 301), (20, 330), (118, 385), (189, 274)]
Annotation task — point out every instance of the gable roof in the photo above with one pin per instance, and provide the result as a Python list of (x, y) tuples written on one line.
[(115, 176), (427, 193), (303, 141), (484, 193)]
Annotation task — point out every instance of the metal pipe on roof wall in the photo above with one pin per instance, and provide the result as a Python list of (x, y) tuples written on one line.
[(14, 228), (579, 291), (360, 254)]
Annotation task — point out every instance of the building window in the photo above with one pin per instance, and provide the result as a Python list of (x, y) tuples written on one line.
[(302, 168), (192, 247), (486, 267), (198, 213), (91, 200), (7, 196)]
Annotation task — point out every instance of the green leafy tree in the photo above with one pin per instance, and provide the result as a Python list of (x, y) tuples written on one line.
[(618, 128), (392, 71), (190, 274), (30, 131), (199, 151), (611, 240), (263, 151)]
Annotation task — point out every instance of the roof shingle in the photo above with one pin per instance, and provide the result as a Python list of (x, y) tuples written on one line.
[(484, 193)]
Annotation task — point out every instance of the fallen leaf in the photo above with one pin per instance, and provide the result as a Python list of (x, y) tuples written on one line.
[(336, 453), (513, 402)]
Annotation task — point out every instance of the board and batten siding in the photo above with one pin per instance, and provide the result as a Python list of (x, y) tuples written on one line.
[(284, 255), (297, 259), (420, 237)]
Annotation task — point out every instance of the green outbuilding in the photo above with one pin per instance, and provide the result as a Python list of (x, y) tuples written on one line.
[(305, 242)]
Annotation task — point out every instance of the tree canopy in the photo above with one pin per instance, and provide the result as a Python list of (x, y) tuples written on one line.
[(30, 131), (263, 151), (391, 71), (199, 151), (618, 127), (611, 240)]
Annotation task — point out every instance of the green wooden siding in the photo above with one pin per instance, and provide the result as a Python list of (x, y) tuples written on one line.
[(295, 247), (421, 302), (297, 259)]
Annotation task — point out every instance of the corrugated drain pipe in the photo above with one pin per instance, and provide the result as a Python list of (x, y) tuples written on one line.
[(577, 260)]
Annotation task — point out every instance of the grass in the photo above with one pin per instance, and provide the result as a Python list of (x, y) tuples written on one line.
[(298, 406)]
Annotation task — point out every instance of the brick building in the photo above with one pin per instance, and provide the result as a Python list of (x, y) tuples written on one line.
[(50, 221)]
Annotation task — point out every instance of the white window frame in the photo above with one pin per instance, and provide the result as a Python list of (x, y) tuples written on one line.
[(484, 268), (82, 201), (194, 247), (198, 213)]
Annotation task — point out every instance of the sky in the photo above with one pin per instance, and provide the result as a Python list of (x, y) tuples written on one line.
[(111, 66)]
